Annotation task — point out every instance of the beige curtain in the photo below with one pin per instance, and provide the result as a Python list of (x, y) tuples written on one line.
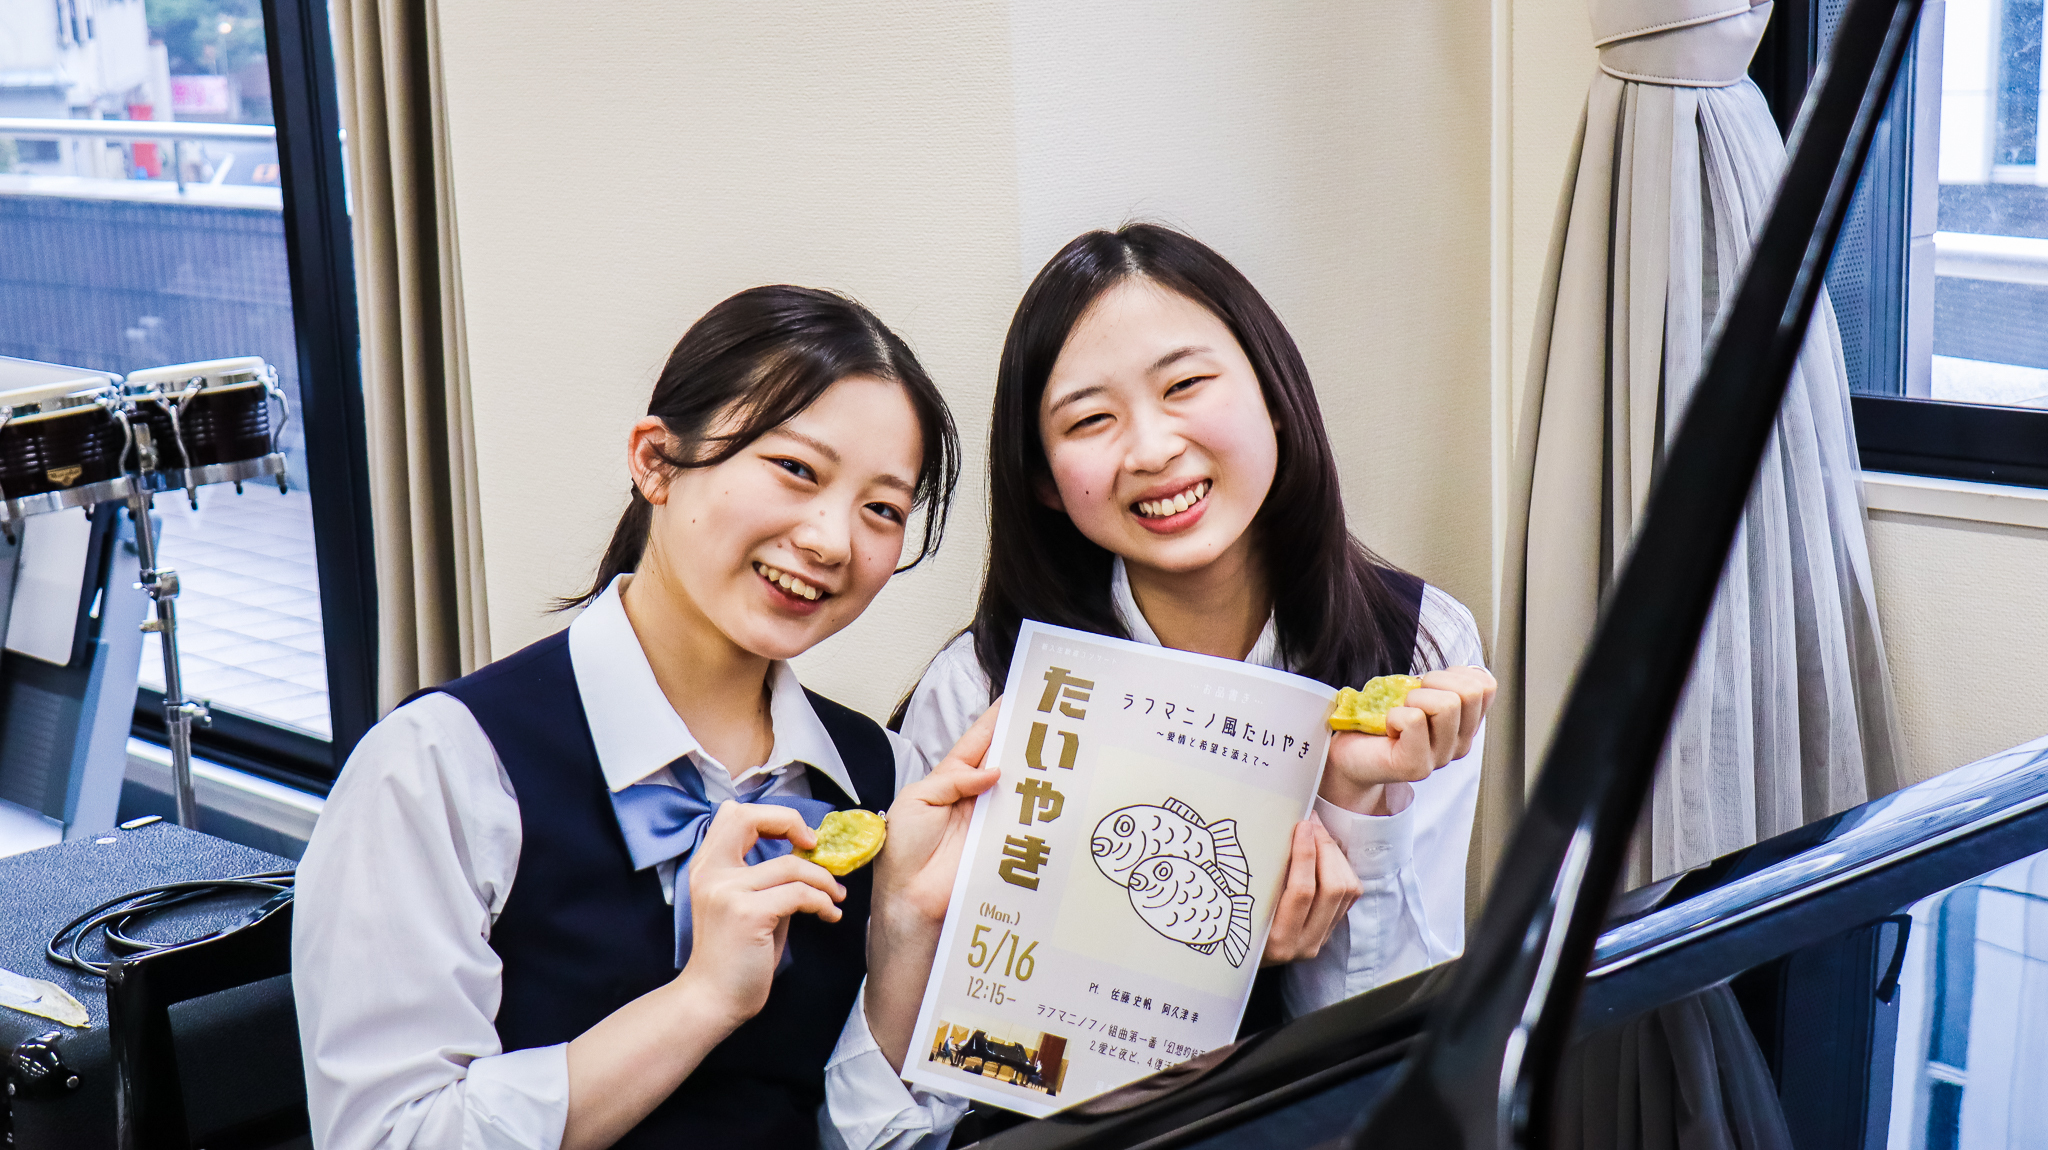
[(1787, 716), (423, 490)]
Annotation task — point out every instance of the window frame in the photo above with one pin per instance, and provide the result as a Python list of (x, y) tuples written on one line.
[(1948, 440), (1905, 431), (307, 109)]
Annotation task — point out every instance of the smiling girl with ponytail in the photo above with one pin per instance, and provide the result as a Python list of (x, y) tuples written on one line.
[(554, 902)]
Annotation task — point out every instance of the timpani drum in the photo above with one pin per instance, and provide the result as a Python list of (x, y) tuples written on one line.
[(63, 437), (208, 422)]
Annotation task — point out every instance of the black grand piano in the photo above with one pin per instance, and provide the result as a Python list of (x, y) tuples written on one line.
[(1829, 968), (1835, 987)]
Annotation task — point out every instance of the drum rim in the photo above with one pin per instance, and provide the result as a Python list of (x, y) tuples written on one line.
[(34, 401), (59, 375), (79, 405), (252, 365), (103, 491), (151, 391), (207, 474)]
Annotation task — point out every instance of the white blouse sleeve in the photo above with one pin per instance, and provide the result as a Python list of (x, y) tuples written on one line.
[(869, 1107), (1412, 913), (396, 983), (1447, 802), (952, 694)]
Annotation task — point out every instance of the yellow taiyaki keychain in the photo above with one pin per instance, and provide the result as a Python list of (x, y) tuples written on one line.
[(848, 841), (1366, 708)]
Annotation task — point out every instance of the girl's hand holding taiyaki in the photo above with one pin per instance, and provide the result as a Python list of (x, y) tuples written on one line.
[(1435, 725), (914, 882)]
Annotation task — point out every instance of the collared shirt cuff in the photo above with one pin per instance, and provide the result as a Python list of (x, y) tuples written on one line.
[(867, 1104), (1377, 845), (520, 1098)]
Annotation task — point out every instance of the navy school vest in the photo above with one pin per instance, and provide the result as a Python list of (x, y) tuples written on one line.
[(582, 933)]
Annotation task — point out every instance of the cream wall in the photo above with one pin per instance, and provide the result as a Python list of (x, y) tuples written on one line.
[(618, 174), (1548, 63), (619, 170), (1964, 608), (1318, 146)]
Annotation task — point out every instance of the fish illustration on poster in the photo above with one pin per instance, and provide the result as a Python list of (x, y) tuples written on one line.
[(1118, 881), (1187, 879)]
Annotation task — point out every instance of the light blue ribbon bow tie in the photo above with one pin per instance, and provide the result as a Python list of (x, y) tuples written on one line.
[(662, 823)]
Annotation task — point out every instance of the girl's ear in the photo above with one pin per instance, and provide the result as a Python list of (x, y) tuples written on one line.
[(1049, 494), (647, 444)]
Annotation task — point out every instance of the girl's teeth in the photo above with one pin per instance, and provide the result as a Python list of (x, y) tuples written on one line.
[(787, 582), (1161, 508)]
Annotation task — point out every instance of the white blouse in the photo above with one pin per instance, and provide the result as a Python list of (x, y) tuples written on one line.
[(396, 982), (1412, 914)]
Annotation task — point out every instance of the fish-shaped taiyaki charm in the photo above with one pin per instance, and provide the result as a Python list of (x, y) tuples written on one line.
[(1128, 836), (1189, 903)]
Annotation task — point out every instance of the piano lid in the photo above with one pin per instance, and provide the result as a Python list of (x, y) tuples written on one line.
[(1904, 824), (1730, 915)]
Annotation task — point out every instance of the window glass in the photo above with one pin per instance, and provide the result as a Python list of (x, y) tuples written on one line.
[(1991, 242), (1973, 1020), (128, 252)]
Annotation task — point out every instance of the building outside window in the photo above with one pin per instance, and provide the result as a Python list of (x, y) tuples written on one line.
[(1939, 278), (1990, 307)]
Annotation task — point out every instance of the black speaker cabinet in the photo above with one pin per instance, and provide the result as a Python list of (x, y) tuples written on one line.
[(237, 1051)]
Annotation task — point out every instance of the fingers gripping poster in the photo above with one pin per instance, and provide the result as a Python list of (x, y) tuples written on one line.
[(1117, 884)]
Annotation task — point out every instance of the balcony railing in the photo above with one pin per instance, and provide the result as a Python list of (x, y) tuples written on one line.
[(134, 129), (176, 133), (2004, 259)]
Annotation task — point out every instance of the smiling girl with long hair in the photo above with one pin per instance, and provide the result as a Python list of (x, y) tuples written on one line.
[(1160, 472)]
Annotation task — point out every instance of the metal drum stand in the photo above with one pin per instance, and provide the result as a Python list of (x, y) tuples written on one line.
[(194, 424), (179, 712)]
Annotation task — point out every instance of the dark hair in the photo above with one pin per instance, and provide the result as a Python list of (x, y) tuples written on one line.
[(765, 355), (1332, 604)]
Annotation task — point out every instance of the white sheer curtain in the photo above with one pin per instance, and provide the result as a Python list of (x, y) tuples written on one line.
[(1788, 714)]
